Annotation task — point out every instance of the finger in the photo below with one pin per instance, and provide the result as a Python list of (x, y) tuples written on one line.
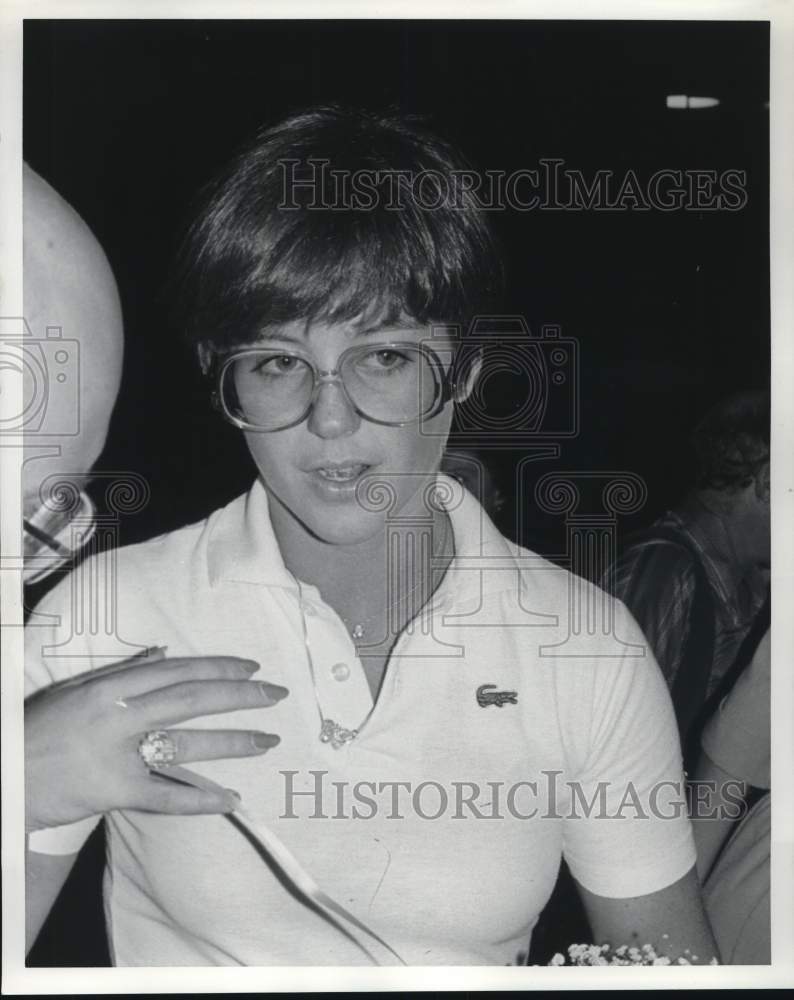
[(217, 744), (176, 798), (192, 699), (149, 655), (138, 678)]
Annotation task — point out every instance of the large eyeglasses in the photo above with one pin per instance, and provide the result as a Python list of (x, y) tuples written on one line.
[(268, 389)]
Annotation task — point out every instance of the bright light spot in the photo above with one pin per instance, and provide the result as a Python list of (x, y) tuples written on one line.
[(680, 101)]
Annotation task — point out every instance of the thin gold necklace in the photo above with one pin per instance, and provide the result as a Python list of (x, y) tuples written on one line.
[(331, 731)]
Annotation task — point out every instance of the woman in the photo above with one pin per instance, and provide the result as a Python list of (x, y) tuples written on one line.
[(430, 754)]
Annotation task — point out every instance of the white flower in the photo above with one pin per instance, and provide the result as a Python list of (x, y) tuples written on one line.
[(604, 954)]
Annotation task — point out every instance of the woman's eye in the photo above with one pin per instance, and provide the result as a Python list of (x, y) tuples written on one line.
[(385, 360), (280, 365)]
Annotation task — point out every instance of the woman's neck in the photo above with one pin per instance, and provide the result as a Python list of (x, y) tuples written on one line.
[(361, 578)]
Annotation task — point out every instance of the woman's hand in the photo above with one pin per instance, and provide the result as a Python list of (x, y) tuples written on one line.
[(82, 735)]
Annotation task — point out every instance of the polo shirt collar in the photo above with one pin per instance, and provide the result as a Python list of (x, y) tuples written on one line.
[(243, 548)]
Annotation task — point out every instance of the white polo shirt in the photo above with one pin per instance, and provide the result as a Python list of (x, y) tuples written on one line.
[(443, 823)]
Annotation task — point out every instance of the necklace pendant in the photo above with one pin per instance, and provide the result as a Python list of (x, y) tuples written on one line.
[(331, 732), (357, 631)]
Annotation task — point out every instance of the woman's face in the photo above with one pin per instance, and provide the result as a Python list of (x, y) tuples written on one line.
[(325, 470)]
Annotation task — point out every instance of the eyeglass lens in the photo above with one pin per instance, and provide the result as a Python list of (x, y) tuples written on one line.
[(270, 389)]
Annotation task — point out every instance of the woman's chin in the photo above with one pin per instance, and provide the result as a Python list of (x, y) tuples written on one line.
[(348, 534), (348, 511)]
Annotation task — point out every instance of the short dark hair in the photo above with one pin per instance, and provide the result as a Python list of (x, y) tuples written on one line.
[(247, 263), (731, 443)]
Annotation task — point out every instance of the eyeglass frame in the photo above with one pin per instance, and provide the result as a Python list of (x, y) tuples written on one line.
[(447, 384)]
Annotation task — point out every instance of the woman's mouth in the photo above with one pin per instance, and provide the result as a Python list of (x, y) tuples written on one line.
[(338, 481), (341, 473)]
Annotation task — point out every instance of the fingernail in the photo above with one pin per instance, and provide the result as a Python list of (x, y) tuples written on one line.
[(250, 665), (264, 741), (273, 692), (234, 799)]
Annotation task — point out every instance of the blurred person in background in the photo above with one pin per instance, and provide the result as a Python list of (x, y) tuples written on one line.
[(733, 857), (697, 578)]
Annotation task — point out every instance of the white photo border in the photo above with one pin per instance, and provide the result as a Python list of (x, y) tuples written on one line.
[(20, 980)]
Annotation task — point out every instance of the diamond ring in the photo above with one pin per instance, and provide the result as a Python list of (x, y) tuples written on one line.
[(157, 749)]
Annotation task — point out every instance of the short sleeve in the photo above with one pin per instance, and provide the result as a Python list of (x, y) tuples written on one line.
[(737, 737), (626, 830)]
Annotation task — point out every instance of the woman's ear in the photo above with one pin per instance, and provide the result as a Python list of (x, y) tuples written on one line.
[(465, 385)]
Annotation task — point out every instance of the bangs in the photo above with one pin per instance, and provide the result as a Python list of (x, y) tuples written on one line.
[(339, 266), (253, 261)]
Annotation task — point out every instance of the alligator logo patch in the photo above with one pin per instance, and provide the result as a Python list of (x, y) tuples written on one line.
[(488, 695)]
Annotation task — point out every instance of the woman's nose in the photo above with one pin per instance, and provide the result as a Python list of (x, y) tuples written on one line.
[(332, 414)]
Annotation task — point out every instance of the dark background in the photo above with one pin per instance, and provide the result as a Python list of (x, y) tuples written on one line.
[(126, 119), (670, 310)]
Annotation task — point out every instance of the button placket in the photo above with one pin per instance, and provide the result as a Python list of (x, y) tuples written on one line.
[(342, 688), (298, 679)]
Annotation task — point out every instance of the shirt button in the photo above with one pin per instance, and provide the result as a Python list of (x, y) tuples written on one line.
[(341, 671), (308, 608)]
